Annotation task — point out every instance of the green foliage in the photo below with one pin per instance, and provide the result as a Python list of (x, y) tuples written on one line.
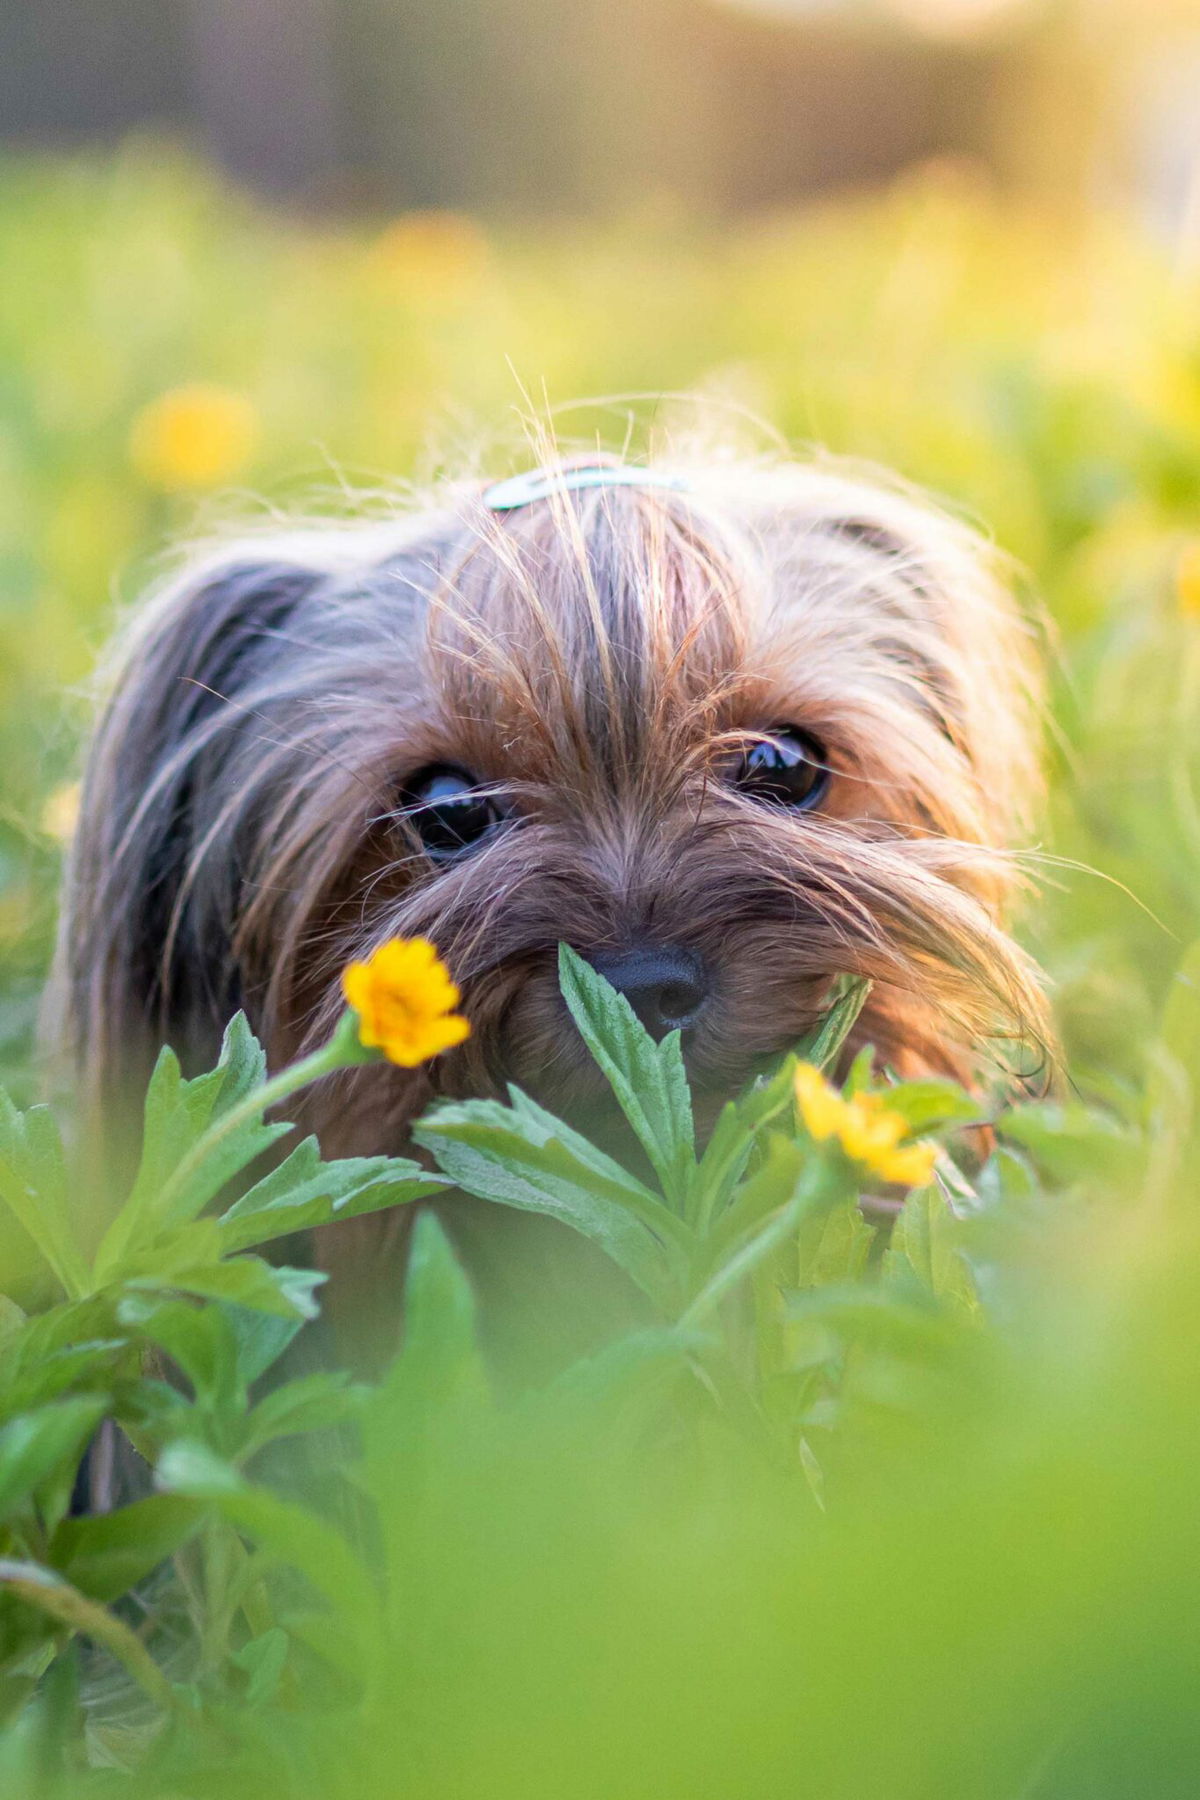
[(855, 1499), (797, 1358), (168, 1287)]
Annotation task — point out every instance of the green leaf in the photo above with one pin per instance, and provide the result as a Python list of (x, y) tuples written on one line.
[(924, 1251), (36, 1445), (648, 1079), (262, 1661), (435, 1393), (636, 1368), (1072, 1143), (439, 1351), (848, 996), (246, 1281), (174, 1181), (261, 1339), (877, 1317), (735, 1134), (314, 1402), (106, 1555), (34, 1186), (91, 1365), (784, 1167), (741, 1121), (522, 1156), (926, 1105), (285, 1532), (743, 1261), (834, 1245), (304, 1192), (191, 1468), (198, 1339)]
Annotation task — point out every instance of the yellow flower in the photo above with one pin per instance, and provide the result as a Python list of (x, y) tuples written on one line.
[(195, 436), (405, 1001), (1187, 581), (867, 1129), (60, 814), (433, 256)]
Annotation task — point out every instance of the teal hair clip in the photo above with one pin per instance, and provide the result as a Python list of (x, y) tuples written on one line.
[(540, 484)]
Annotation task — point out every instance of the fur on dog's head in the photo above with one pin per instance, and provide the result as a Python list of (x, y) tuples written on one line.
[(600, 664)]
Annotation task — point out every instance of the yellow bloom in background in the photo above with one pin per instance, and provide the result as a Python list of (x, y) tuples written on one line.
[(1187, 580), (867, 1129), (195, 436), (60, 814), (406, 1002), (431, 255)]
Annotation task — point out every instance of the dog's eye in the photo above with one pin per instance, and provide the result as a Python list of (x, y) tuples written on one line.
[(448, 812), (786, 768)]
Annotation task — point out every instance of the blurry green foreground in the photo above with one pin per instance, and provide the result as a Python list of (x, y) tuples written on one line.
[(838, 1513), (977, 1575)]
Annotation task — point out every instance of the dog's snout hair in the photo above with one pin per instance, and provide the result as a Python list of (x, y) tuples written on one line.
[(597, 662)]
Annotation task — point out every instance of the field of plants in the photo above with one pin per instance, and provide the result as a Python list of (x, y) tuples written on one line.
[(834, 1518)]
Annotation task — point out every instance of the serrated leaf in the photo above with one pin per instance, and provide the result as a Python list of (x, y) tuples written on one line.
[(63, 1327), (304, 1192), (436, 1386), (180, 1172), (648, 1079), (34, 1187), (522, 1156)]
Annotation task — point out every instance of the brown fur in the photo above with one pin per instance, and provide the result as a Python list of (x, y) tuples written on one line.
[(597, 657)]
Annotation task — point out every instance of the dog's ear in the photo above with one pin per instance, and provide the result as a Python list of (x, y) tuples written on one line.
[(144, 956)]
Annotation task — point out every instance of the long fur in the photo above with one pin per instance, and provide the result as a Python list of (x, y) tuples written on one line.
[(597, 658)]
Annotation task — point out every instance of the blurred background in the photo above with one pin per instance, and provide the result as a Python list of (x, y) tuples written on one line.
[(268, 253), (530, 106)]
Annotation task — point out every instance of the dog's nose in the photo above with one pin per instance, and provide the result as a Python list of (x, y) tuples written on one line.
[(665, 987)]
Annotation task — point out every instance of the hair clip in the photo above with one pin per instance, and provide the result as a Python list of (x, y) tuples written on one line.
[(540, 484)]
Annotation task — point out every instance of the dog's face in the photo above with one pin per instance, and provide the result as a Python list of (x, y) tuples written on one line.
[(728, 744)]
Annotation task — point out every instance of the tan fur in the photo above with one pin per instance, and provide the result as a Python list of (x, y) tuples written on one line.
[(598, 657)]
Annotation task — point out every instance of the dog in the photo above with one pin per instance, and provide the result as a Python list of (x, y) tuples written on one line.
[(730, 729)]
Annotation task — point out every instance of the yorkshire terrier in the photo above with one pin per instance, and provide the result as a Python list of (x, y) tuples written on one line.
[(730, 730)]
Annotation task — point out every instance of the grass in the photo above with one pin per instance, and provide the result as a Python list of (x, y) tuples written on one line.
[(828, 1519)]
